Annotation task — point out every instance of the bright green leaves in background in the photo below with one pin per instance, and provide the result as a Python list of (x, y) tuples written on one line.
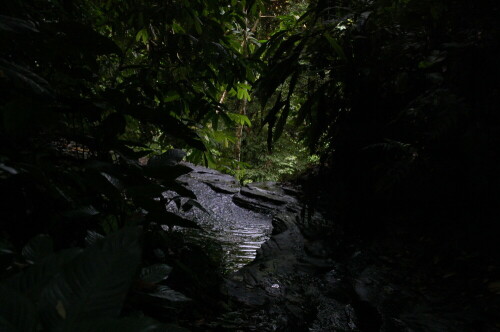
[(240, 119), (143, 36), (241, 91), (179, 57)]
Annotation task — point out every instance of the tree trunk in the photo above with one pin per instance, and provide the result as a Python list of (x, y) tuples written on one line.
[(239, 130)]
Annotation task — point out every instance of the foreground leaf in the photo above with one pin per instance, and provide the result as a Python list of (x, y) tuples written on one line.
[(31, 281), (95, 284), (17, 313), (93, 237), (167, 293), (155, 273), (38, 247)]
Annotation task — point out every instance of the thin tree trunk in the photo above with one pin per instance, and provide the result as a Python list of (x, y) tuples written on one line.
[(242, 110), (239, 130), (223, 97)]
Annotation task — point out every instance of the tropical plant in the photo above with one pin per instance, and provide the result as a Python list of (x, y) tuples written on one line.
[(88, 87), (395, 94)]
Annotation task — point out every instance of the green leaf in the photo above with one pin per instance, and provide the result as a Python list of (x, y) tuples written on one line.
[(32, 280), (271, 115), (38, 247), (93, 237), (12, 24), (242, 91), (335, 45), (209, 160), (166, 293), (24, 78), (171, 96), (179, 188), (115, 182), (177, 28), (281, 121), (240, 119), (435, 58), (143, 36), (8, 169), (17, 313), (197, 24), (270, 119), (95, 284), (155, 273)]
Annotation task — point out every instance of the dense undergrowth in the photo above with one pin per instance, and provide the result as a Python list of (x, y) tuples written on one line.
[(88, 88), (403, 110)]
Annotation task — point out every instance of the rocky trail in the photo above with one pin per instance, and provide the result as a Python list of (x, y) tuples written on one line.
[(288, 269)]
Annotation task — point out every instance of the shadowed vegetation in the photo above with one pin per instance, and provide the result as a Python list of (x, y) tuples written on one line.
[(385, 111)]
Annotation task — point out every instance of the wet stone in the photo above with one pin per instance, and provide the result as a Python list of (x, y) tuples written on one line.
[(334, 316), (253, 204), (218, 182), (275, 196), (240, 229)]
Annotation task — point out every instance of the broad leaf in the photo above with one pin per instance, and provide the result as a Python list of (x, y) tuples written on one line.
[(93, 237), (240, 119), (38, 247), (12, 24), (95, 284), (335, 45), (155, 273), (167, 293), (281, 121), (33, 279), (17, 313), (24, 78), (179, 188)]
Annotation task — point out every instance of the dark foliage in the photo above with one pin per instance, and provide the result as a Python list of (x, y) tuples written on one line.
[(400, 103), (84, 86), (398, 97)]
